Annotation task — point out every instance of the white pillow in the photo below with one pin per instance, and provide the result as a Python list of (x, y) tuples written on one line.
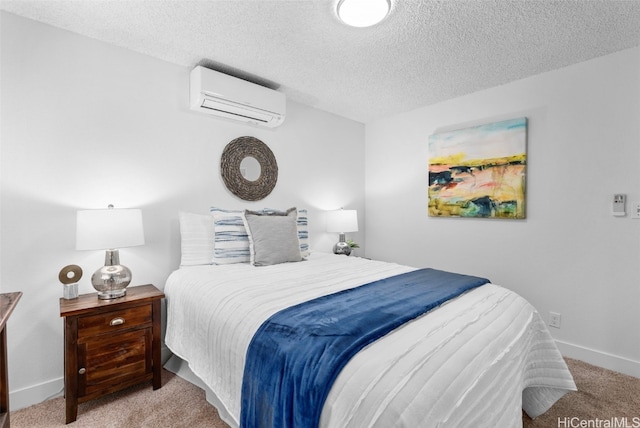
[(273, 237), (197, 239)]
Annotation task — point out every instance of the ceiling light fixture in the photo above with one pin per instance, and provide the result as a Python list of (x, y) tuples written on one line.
[(363, 13)]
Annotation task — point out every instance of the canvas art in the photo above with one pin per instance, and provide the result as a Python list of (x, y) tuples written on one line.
[(479, 171)]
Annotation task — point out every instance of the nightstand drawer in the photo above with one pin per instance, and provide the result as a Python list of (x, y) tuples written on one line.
[(113, 321)]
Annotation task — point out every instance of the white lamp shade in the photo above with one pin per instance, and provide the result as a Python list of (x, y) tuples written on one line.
[(109, 229), (342, 221)]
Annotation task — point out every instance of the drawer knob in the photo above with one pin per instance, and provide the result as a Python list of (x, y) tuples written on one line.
[(116, 321), (82, 371)]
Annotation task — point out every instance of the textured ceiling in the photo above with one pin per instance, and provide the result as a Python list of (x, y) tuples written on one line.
[(425, 51)]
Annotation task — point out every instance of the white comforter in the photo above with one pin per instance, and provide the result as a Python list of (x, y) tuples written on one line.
[(475, 361)]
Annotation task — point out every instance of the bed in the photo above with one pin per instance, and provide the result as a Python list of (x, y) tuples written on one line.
[(477, 360)]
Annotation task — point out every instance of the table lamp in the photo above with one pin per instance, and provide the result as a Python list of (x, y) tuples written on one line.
[(342, 221), (109, 230)]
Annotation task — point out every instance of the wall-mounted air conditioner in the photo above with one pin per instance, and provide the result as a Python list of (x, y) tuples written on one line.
[(222, 95)]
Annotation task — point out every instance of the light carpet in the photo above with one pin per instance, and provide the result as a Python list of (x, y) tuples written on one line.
[(604, 399), (602, 395)]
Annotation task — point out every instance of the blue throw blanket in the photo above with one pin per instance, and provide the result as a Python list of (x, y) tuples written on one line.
[(295, 356)]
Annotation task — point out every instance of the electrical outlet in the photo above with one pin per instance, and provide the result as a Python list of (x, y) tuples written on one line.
[(554, 319), (635, 211), (618, 206)]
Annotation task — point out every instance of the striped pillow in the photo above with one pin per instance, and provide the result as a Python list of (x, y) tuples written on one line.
[(303, 232), (231, 238)]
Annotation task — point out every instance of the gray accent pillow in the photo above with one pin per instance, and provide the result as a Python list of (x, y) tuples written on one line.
[(273, 237)]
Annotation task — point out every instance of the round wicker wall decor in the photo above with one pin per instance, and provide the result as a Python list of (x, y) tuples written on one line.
[(232, 156)]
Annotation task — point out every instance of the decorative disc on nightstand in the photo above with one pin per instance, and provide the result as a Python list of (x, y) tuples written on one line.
[(70, 274)]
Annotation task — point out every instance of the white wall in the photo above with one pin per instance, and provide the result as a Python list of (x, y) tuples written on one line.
[(86, 124), (570, 255)]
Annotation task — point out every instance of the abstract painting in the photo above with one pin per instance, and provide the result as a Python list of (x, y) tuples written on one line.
[(479, 171)]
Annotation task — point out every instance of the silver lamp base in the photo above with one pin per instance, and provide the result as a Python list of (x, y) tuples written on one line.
[(111, 280), (342, 247)]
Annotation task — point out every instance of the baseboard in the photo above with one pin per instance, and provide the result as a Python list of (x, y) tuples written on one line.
[(165, 354), (54, 388), (600, 359), (36, 394)]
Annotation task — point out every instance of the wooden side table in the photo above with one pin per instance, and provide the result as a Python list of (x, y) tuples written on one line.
[(110, 344), (8, 302)]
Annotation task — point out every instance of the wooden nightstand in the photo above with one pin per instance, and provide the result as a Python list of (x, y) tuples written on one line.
[(110, 344), (8, 302)]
